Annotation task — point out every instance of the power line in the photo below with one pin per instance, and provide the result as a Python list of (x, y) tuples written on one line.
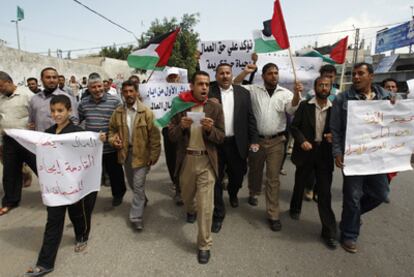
[(107, 19)]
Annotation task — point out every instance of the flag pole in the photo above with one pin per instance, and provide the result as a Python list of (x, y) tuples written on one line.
[(341, 85), (293, 64), (150, 75)]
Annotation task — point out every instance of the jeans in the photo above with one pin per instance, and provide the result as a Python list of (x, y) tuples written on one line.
[(360, 195)]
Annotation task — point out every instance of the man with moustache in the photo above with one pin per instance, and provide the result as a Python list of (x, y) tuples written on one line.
[(241, 135), (96, 110), (363, 193), (312, 155), (33, 85), (197, 164), (39, 109)]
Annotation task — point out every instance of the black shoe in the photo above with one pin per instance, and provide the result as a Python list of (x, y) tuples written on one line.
[(275, 225), (138, 225), (387, 200), (216, 226), (294, 215), (331, 243), (234, 201), (191, 218), (116, 201), (178, 200), (253, 200), (203, 256)]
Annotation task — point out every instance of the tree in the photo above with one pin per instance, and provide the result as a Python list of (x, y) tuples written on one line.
[(120, 53), (185, 47)]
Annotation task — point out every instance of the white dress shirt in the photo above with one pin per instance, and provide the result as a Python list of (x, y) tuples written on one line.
[(130, 116), (227, 100)]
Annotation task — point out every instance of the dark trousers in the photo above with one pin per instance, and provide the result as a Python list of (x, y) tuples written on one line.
[(80, 215), (360, 195), (13, 157), (115, 173), (316, 166), (170, 150), (230, 162)]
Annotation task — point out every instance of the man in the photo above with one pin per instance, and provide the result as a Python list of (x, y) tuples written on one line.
[(39, 110), (32, 84), (241, 134), (75, 87), (96, 109), (134, 79), (390, 84), (197, 164), (14, 113), (360, 193), (110, 90), (133, 133), (63, 87), (312, 155), (270, 103), (173, 75)]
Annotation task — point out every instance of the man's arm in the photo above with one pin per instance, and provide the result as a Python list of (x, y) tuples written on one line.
[(336, 127), (250, 68), (252, 127)]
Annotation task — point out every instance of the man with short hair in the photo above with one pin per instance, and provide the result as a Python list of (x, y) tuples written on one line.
[(360, 193), (110, 90), (197, 164), (14, 113), (63, 87), (312, 156), (390, 84), (33, 85), (96, 110), (270, 103), (133, 133), (39, 110), (241, 135)]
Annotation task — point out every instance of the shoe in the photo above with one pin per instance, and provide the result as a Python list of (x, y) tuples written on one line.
[(116, 201), (38, 271), (138, 225), (203, 256), (349, 246), (275, 225), (253, 200), (178, 200), (146, 201), (387, 200), (331, 243), (234, 201), (308, 195), (216, 226), (294, 215), (80, 246), (191, 218), (283, 172)]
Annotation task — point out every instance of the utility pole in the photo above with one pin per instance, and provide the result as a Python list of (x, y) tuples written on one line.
[(17, 32), (356, 46)]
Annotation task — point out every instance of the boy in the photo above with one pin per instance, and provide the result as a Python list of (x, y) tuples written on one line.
[(79, 212)]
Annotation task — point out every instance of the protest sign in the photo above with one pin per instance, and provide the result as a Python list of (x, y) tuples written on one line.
[(235, 52), (158, 96), (379, 137), (69, 166)]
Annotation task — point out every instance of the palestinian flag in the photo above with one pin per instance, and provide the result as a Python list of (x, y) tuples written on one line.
[(336, 52), (274, 35), (155, 54)]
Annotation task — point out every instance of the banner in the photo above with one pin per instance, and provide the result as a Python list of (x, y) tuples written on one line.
[(379, 137), (307, 70), (396, 37), (235, 52), (158, 96), (69, 166)]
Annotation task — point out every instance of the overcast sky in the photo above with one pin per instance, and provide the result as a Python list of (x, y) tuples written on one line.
[(64, 24)]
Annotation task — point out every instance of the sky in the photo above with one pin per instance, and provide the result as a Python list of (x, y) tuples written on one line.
[(64, 24)]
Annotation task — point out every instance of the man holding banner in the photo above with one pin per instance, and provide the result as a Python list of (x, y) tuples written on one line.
[(270, 102), (361, 193)]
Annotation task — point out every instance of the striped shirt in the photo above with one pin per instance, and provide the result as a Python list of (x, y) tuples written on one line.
[(97, 115)]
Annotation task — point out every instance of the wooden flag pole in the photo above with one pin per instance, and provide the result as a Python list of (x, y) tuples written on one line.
[(150, 75), (293, 64), (341, 84)]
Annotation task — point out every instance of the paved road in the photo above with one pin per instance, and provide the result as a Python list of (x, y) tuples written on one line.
[(244, 247)]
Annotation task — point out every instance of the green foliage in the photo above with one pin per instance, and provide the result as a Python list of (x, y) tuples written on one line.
[(120, 53), (185, 47)]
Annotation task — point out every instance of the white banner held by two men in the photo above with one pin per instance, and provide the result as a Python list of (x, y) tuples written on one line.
[(158, 96), (238, 53), (69, 166), (379, 137)]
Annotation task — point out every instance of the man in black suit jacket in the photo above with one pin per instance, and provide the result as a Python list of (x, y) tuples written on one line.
[(241, 135), (312, 154)]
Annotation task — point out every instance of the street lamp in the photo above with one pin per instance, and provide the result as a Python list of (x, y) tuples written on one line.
[(17, 31)]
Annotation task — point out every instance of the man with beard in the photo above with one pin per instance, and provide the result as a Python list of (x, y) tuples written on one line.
[(241, 135), (39, 109), (365, 192), (96, 110), (14, 113), (270, 103), (312, 155), (133, 133), (197, 164), (33, 85)]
